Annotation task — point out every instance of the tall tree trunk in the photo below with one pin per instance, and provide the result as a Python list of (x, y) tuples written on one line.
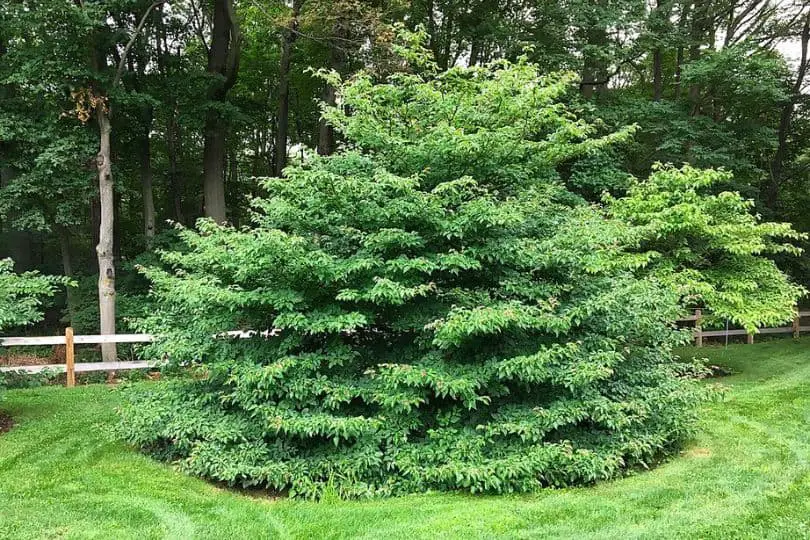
[(660, 26), (682, 21), (104, 249), (223, 66), (326, 133), (658, 75), (678, 64), (145, 154), (213, 166), (176, 184), (697, 35), (594, 72), (67, 269), (772, 188), (283, 116)]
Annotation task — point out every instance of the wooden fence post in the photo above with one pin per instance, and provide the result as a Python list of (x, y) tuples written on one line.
[(698, 329), (70, 361), (796, 326)]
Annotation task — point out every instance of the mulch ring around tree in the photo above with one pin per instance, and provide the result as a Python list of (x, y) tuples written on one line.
[(6, 422)]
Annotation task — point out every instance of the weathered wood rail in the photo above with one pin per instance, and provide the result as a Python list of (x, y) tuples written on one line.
[(796, 328)]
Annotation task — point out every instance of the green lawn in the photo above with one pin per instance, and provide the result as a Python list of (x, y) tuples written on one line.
[(747, 475)]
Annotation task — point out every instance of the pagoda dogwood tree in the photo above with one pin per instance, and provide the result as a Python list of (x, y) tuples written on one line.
[(444, 313)]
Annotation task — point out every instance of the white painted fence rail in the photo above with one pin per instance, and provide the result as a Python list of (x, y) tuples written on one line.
[(70, 367), (69, 341), (78, 340)]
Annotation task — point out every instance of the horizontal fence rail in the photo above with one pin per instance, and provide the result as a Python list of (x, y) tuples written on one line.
[(77, 340), (70, 341), (796, 328)]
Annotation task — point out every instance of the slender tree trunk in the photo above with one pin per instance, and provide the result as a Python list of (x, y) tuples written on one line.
[(772, 188), (657, 18), (326, 133), (147, 177), (176, 186), (104, 249), (682, 22), (67, 269), (658, 75), (697, 35), (223, 66), (678, 64), (283, 116)]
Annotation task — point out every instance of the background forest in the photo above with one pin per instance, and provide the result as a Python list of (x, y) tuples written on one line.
[(187, 102)]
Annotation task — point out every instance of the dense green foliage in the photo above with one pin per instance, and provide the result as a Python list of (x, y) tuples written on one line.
[(444, 312), (711, 83), (21, 295), (710, 247)]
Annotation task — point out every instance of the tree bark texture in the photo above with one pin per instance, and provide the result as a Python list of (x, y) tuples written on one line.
[(223, 66)]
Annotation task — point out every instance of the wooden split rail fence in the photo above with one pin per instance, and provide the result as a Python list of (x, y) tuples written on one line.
[(796, 328), (69, 341)]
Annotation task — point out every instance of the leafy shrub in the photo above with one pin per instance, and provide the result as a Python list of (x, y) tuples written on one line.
[(442, 312), (709, 247), (21, 297)]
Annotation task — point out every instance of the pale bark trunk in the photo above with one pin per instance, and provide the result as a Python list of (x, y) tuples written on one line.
[(104, 250)]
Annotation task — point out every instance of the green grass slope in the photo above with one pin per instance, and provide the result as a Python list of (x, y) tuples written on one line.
[(747, 475)]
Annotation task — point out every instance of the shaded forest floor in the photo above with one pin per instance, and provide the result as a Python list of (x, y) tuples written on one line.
[(746, 475)]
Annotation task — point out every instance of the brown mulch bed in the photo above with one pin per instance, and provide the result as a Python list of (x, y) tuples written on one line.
[(22, 359), (6, 422)]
